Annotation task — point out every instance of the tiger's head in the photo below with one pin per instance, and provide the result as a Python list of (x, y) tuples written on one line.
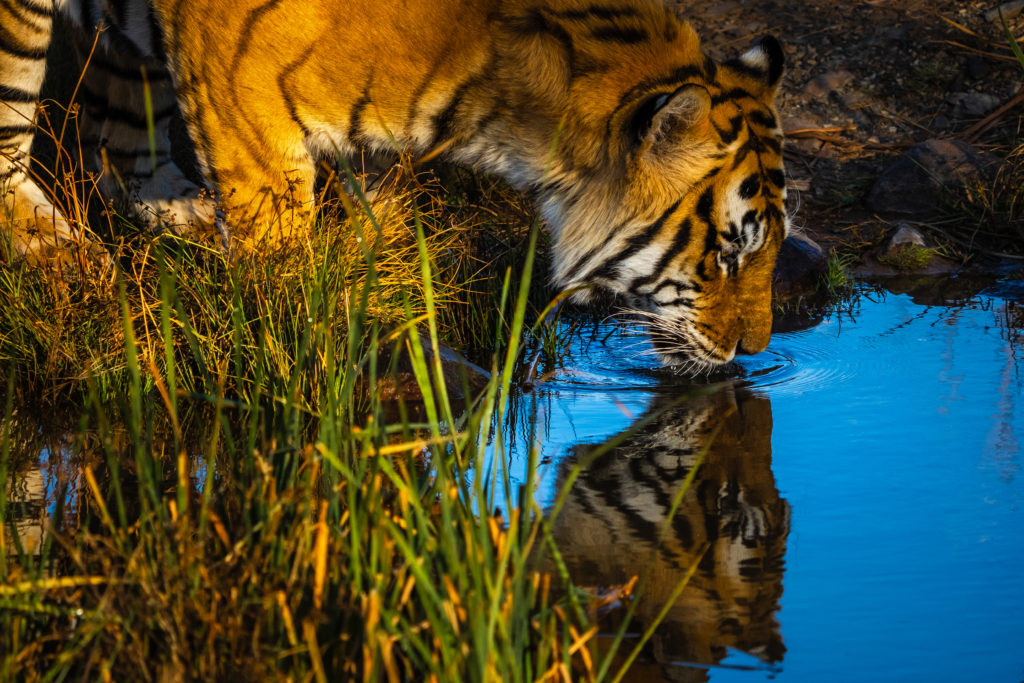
[(665, 183)]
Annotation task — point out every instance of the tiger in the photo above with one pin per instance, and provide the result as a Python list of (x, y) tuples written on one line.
[(657, 170), (732, 524)]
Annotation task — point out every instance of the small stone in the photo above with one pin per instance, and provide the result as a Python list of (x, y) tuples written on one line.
[(973, 104), (823, 84), (915, 182), (941, 122), (907, 250), (906, 234)]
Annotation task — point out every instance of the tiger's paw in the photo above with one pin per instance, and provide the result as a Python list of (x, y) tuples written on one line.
[(169, 201), (34, 231)]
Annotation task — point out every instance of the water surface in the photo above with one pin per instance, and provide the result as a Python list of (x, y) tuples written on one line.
[(859, 510)]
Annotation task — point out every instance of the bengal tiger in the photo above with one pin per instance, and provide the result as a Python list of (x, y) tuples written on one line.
[(732, 523), (657, 170)]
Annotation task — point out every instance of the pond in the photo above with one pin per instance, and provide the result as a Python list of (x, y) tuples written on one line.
[(858, 511)]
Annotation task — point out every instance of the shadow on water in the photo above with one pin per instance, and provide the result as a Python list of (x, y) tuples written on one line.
[(731, 521)]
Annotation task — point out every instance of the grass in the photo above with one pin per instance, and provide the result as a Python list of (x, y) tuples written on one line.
[(908, 257), (239, 502), (987, 217)]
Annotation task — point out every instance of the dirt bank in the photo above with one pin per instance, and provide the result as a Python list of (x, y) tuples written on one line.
[(866, 81)]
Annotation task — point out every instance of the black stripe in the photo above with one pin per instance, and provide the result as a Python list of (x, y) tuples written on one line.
[(44, 12), (750, 186), (744, 151), (731, 95), (619, 34), (776, 177), (128, 69), (9, 94), (762, 118), (282, 84), (711, 239), (605, 13), (156, 33), (102, 109), (679, 243), (444, 120), (248, 28), (735, 125), (19, 12), (706, 205), (631, 247), (356, 113), (11, 45), (421, 89), (10, 132), (12, 170)]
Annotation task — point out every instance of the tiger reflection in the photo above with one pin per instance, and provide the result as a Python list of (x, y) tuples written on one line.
[(616, 510)]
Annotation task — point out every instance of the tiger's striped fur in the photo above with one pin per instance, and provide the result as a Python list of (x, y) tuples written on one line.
[(658, 171)]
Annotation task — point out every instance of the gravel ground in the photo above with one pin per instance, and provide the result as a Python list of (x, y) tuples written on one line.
[(865, 81)]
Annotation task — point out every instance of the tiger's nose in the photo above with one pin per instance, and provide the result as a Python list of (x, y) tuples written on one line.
[(753, 341)]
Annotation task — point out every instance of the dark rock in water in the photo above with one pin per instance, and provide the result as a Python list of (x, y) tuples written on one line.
[(915, 182), (459, 374), (802, 263)]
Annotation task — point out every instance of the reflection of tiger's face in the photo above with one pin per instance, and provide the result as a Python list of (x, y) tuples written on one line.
[(658, 171), (620, 504)]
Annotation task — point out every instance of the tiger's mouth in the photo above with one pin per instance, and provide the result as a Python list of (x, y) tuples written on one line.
[(683, 356)]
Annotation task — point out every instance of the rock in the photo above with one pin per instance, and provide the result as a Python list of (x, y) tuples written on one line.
[(915, 182), (908, 251), (458, 374), (973, 104), (905, 234), (801, 264), (823, 84)]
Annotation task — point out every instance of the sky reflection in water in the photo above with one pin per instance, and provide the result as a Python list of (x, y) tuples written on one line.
[(890, 484)]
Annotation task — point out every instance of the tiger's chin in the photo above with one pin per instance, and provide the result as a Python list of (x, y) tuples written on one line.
[(696, 366)]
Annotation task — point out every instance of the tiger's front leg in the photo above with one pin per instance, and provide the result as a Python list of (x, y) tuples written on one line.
[(257, 162)]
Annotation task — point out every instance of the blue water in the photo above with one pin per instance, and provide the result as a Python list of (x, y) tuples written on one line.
[(860, 489)]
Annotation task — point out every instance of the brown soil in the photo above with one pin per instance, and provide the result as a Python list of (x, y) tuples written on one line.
[(865, 81)]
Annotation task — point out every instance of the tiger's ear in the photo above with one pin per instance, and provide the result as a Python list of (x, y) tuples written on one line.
[(663, 115), (764, 63)]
